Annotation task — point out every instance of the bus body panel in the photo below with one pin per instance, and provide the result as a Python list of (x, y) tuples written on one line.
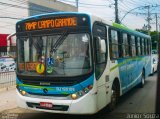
[(104, 84), (130, 71), (85, 105)]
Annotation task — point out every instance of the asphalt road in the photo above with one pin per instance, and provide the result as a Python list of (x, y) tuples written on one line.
[(138, 101)]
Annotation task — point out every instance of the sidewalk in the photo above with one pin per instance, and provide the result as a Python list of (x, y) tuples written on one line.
[(7, 99)]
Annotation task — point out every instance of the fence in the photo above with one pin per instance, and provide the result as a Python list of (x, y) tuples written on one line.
[(7, 79)]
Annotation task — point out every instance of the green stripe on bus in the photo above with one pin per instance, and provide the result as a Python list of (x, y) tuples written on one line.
[(31, 86), (120, 26), (128, 29), (125, 62)]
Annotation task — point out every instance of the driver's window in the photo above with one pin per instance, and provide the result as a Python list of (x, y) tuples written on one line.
[(99, 32), (100, 57)]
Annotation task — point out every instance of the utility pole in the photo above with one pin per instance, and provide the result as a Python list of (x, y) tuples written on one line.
[(116, 12), (77, 3), (156, 22), (157, 31), (149, 19)]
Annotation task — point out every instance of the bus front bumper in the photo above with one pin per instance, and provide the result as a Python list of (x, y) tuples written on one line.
[(87, 104)]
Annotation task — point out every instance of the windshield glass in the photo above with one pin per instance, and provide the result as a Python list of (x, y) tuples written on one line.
[(56, 55)]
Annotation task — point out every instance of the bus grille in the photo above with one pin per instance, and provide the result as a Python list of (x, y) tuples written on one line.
[(52, 95), (52, 83)]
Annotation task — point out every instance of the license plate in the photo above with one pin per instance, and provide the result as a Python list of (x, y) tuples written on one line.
[(46, 104)]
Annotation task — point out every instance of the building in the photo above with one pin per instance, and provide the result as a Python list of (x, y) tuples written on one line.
[(9, 46), (47, 6), (3, 44), (11, 43)]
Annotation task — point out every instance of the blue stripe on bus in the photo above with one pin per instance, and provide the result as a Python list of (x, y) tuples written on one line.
[(55, 90)]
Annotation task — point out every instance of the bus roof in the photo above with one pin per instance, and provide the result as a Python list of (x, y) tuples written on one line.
[(119, 26), (130, 30), (53, 13)]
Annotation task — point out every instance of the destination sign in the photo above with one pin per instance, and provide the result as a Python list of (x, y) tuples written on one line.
[(51, 23)]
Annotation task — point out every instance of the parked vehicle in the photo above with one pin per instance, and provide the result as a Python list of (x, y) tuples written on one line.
[(7, 64), (154, 61)]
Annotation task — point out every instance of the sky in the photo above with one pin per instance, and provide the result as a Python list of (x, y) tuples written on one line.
[(135, 19)]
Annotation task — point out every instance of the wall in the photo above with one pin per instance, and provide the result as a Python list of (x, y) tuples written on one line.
[(47, 6)]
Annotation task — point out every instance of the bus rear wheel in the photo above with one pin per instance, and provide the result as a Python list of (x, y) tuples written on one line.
[(141, 85)]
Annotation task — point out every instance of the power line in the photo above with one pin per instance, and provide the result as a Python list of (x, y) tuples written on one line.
[(21, 7), (13, 4), (81, 3), (12, 18)]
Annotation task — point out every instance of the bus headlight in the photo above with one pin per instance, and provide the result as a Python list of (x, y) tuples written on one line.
[(23, 92), (81, 92), (74, 96)]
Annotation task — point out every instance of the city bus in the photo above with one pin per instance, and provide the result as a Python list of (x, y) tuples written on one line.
[(154, 60), (77, 63)]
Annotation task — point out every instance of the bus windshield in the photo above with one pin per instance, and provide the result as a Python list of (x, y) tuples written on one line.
[(55, 55)]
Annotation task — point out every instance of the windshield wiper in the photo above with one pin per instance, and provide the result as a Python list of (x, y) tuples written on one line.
[(59, 41)]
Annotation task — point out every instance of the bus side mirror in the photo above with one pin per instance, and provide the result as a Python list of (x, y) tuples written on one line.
[(102, 45)]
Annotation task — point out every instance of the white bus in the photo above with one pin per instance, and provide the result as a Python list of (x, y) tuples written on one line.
[(154, 60), (75, 63)]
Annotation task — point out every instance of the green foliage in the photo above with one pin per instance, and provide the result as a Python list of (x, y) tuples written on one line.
[(142, 31)]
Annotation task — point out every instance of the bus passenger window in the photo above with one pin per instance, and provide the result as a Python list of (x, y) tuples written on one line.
[(133, 48), (138, 51), (129, 45), (114, 44), (149, 47), (142, 46), (125, 45), (145, 46)]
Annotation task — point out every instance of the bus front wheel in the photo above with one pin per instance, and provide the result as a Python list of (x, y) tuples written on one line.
[(114, 96)]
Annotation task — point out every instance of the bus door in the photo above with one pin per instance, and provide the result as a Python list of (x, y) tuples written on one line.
[(101, 70)]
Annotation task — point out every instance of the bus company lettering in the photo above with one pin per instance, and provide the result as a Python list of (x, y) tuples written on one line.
[(51, 23), (65, 89)]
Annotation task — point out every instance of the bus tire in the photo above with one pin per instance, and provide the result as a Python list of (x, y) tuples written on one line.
[(114, 96), (141, 85), (153, 71)]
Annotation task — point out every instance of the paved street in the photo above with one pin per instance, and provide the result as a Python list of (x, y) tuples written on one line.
[(138, 100)]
